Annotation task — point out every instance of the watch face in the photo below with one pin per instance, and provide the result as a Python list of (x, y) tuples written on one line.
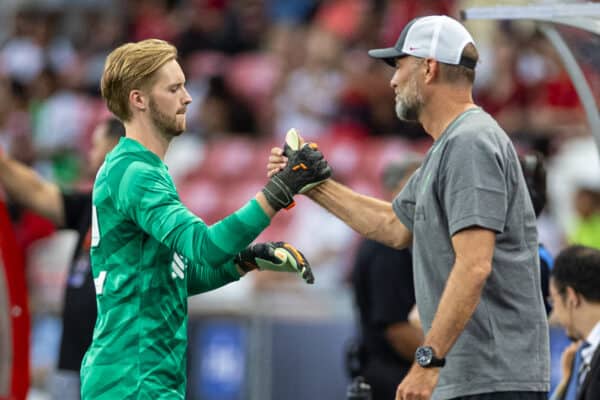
[(424, 355)]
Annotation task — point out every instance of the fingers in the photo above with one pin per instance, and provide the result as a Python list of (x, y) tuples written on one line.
[(277, 151), (302, 263), (307, 275), (277, 161)]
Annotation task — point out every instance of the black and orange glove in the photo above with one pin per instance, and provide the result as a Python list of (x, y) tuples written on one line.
[(275, 256), (305, 169)]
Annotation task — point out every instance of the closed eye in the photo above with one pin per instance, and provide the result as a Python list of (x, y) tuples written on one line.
[(174, 88)]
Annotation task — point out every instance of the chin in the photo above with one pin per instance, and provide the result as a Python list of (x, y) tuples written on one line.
[(180, 126)]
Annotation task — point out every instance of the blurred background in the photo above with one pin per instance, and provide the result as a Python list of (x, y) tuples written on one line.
[(256, 68)]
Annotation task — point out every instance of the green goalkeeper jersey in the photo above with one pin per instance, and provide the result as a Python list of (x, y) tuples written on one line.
[(149, 253)]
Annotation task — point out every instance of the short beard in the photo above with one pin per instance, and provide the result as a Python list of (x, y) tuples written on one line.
[(166, 124), (409, 107)]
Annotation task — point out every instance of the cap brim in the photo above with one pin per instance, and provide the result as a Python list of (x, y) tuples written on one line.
[(388, 55)]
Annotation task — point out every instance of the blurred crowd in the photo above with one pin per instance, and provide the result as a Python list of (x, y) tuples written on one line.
[(256, 68)]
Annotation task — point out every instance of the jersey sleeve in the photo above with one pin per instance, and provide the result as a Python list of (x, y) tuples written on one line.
[(147, 196), (474, 189), (202, 278)]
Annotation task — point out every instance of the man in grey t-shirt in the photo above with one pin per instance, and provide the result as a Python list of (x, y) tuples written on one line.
[(471, 223)]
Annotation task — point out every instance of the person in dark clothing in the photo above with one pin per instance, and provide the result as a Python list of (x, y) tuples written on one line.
[(67, 210), (382, 280), (534, 172)]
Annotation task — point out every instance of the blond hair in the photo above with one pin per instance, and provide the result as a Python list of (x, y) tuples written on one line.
[(132, 66)]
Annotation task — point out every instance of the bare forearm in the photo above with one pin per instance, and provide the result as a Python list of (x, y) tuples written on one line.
[(404, 338), (370, 217), (456, 307), (24, 186)]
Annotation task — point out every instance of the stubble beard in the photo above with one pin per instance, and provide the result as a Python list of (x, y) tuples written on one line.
[(166, 124)]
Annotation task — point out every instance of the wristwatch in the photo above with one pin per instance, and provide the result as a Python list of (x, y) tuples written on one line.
[(425, 357)]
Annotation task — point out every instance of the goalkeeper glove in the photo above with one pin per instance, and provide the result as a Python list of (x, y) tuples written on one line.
[(305, 169), (275, 256)]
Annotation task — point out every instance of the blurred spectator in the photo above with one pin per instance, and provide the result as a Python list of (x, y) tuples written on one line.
[(382, 280), (309, 95), (575, 164), (222, 114), (34, 45), (15, 135), (503, 94), (587, 205), (534, 172), (151, 19), (101, 32), (226, 26), (553, 104), (69, 211), (60, 116)]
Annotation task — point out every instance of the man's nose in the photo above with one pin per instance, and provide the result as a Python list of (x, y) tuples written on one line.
[(393, 83), (187, 99)]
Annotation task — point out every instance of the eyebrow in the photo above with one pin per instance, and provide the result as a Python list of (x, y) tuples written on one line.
[(177, 84)]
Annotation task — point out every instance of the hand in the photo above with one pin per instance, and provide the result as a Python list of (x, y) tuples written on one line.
[(275, 256), (277, 161), (305, 169), (418, 384), (278, 158), (567, 358)]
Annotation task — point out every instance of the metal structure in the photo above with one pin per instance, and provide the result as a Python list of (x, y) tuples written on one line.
[(552, 18)]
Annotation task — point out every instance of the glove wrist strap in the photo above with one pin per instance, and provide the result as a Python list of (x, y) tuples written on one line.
[(278, 194), (244, 265)]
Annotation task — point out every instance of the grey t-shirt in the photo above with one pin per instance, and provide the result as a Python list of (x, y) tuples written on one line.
[(471, 176)]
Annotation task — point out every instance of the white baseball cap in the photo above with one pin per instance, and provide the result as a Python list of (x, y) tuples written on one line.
[(437, 36)]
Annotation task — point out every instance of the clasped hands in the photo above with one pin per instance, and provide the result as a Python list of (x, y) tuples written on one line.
[(297, 168)]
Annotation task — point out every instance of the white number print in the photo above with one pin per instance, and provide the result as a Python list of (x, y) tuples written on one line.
[(95, 228), (99, 282)]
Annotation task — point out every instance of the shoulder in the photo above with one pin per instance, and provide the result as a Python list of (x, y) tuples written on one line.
[(476, 137), (127, 173), (477, 128), (130, 164)]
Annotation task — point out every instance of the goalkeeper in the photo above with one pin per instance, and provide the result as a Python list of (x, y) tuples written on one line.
[(148, 251)]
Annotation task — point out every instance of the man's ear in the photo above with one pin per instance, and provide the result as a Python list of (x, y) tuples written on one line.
[(573, 298), (138, 100), (432, 69)]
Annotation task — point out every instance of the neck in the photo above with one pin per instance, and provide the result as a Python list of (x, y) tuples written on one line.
[(148, 135), (443, 106), (589, 317)]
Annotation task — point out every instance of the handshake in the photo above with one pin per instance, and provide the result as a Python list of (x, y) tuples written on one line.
[(305, 169)]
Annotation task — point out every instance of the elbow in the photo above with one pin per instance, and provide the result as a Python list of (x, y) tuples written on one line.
[(481, 271), (399, 236), (399, 243), (477, 271)]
